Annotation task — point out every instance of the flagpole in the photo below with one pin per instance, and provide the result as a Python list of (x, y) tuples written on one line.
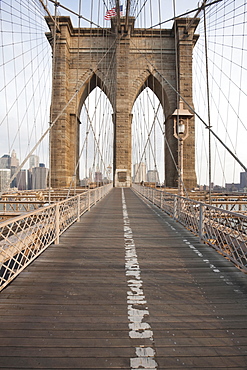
[(127, 16), (118, 14)]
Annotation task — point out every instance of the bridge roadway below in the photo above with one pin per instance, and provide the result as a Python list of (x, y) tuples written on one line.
[(127, 287)]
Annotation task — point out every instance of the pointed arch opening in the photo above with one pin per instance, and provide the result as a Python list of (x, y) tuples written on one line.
[(165, 95), (154, 128), (96, 138), (148, 138), (94, 81)]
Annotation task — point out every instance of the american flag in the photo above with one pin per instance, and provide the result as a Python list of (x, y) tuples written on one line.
[(113, 12)]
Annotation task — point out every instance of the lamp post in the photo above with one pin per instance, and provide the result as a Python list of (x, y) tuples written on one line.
[(181, 118), (109, 168)]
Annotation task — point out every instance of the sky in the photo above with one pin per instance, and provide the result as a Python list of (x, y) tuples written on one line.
[(27, 100), (155, 11)]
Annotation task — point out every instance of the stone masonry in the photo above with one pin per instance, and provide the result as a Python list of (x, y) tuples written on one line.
[(122, 62)]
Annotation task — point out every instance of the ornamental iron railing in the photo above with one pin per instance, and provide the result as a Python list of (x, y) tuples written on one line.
[(224, 230), (25, 237)]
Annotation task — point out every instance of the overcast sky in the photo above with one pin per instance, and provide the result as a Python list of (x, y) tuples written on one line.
[(28, 100)]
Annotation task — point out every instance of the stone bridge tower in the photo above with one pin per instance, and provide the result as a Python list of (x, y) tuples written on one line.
[(137, 58)]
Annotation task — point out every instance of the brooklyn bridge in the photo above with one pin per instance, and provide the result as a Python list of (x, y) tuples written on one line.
[(133, 253)]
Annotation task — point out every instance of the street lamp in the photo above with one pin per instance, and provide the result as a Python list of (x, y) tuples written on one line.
[(181, 118), (109, 168)]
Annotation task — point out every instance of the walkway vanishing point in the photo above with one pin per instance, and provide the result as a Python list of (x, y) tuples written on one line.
[(126, 288)]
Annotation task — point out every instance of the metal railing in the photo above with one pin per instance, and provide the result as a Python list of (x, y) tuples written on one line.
[(25, 237), (224, 230)]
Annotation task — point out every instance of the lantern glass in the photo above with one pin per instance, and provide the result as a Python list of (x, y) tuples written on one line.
[(181, 127)]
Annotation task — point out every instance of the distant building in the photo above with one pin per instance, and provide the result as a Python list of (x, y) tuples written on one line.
[(243, 180), (5, 161), (14, 161), (4, 179), (11, 163), (38, 177), (84, 182), (140, 172), (98, 176), (90, 177), (21, 180), (152, 176), (232, 187), (13, 170), (29, 179), (33, 161)]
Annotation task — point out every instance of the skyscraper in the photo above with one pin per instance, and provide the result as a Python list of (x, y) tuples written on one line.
[(243, 180), (33, 161), (98, 176), (39, 178), (4, 179), (5, 161), (152, 176), (21, 180), (14, 161)]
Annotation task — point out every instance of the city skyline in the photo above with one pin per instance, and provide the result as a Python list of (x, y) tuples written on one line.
[(140, 173), (35, 177)]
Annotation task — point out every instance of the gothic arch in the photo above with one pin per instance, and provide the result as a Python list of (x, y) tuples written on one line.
[(167, 98), (88, 87), (163, 93)]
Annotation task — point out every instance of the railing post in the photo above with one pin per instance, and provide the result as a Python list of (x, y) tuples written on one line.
[(95, 200), (89, 196), (175, 207), (57, 229), (78, 207), (201, 222)]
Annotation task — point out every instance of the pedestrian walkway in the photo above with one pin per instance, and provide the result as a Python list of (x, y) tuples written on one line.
[(126, 288)]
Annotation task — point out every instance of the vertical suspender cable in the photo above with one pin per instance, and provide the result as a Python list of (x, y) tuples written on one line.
[(179, 143), (52, 94), (208, 103), (76, 104), (162, 95)]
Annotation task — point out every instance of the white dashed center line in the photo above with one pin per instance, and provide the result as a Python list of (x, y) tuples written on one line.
[(136, 301)]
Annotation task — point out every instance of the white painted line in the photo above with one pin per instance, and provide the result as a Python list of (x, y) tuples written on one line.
[(138, 312)]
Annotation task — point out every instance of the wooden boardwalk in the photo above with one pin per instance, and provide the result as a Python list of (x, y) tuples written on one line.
[(126, 288)]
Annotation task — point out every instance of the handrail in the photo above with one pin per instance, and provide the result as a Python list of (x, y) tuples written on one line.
[(25, 237), (224, 230)]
